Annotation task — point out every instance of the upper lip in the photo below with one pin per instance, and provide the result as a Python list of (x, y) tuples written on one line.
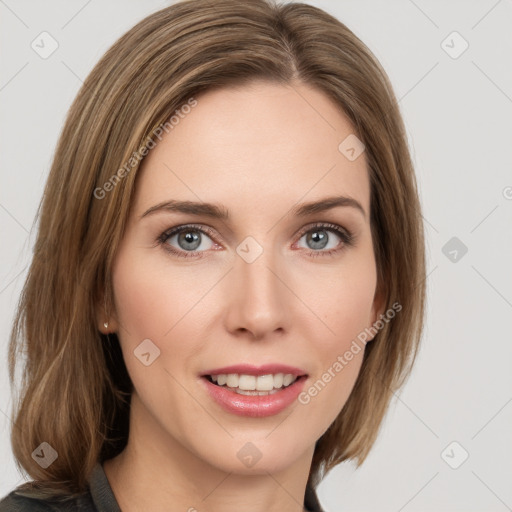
[(249, 369)]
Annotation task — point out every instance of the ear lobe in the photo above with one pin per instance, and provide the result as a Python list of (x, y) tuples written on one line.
[(102, 317), (99, 314), (377, 309)]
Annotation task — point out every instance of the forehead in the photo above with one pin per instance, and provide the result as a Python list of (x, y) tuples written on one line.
[(255, 144)]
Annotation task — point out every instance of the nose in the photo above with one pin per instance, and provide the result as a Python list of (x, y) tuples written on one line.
[(257, 298)]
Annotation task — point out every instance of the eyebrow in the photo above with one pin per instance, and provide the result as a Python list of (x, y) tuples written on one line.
[(219, 212)]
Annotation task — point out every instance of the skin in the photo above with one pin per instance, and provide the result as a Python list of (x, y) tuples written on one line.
[(257, 150)]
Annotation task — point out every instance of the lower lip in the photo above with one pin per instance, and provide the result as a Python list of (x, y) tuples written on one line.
[(257, 406)]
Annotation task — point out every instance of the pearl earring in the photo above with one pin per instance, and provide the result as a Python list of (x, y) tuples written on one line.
[(105, 325)]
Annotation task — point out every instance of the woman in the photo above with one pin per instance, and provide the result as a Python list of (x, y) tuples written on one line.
[(228, 282)]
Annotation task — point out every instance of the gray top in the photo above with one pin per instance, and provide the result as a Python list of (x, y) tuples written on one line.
[(98, 498)]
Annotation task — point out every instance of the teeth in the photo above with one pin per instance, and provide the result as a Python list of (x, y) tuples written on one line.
[(251, 382)]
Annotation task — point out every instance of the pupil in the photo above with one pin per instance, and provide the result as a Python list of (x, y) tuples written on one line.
[(318, 238), (189, 238)]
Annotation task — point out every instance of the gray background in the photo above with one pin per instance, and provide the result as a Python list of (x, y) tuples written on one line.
[(458, 117)]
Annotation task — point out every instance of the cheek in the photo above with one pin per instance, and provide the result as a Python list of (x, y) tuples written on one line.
[(326, 395), (155, 301), (137, 305), (344, 304), (339, 357), (342, 298), (150, 299), (152, 303)]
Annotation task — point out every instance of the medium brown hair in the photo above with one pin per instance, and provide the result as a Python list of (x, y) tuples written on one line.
[(75, 390)]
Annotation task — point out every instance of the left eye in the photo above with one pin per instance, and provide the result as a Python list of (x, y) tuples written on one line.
[(318, 238)]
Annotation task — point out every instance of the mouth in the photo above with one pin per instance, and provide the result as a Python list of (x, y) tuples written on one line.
[(254, 385), (255, 396)]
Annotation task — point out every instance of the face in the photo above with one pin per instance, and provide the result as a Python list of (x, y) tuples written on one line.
[(264, 285)]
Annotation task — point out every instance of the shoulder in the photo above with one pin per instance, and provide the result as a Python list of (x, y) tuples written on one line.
[(21, 501), (311, 502), (15, 503)]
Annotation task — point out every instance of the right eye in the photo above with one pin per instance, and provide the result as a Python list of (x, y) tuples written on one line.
[(188, 239)]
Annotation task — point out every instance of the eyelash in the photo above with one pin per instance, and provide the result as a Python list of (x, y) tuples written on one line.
[(345, 235)]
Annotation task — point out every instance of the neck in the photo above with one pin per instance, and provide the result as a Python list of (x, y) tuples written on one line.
[(156, 471)]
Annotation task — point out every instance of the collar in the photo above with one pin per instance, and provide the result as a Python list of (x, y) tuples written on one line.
[(101, 492)]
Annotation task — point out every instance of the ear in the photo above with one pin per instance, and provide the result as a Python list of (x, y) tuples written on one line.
[(377, 310), (102, 317)]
